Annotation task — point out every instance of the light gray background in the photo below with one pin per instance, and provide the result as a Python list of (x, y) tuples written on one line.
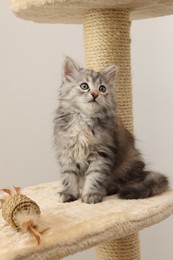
[(31, 57)]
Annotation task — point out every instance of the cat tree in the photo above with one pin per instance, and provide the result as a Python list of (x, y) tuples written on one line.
[(111, 226)]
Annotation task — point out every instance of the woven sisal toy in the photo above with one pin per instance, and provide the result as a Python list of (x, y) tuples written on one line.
[(21, 213)]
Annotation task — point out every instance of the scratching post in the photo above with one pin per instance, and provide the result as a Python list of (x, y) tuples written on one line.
[(113, 225), (126, 248), (107, 41)]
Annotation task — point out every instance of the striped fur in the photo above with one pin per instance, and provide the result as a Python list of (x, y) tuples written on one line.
[(97, 155)]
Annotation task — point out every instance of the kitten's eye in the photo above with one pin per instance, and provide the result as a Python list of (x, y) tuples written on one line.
[(84, 86), (102, 89)]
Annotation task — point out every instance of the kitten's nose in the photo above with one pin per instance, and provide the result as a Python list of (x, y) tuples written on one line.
[(94, 94)]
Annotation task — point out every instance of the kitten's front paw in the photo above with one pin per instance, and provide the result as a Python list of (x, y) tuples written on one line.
[(92, 198), (66, 197)]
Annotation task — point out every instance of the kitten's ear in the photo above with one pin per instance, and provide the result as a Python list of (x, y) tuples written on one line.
[(70, 70), (110, 74)]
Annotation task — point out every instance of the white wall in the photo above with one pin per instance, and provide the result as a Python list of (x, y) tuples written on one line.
[(31, 56), (152, 65)]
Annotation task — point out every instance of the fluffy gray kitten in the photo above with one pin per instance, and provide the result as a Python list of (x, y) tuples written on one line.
[(97, 155)]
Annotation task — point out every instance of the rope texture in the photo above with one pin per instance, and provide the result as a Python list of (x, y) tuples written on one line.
[(126, 248), (14, 204), (107, 42)]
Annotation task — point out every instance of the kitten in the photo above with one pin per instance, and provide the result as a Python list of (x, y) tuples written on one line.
[(95, 152)]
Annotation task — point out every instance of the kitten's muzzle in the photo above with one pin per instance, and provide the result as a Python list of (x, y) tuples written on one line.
[(95, 94)]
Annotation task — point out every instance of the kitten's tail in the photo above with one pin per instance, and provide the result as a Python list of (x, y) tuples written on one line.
[(153, 184)]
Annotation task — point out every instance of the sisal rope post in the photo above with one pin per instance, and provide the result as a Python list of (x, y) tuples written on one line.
[(107, 42), (126, 248)]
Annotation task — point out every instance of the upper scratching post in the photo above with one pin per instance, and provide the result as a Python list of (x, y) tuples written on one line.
[(107, 41)]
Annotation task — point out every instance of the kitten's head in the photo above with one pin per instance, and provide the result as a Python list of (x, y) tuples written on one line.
[(87, 91)]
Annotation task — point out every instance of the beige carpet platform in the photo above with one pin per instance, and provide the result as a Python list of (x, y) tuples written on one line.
[(77, 226), (111, 226), (72, 11)]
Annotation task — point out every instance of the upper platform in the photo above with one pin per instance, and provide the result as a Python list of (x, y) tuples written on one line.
[(72, 11)]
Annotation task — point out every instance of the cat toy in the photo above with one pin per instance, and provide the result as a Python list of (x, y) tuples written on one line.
[(22, 213)]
